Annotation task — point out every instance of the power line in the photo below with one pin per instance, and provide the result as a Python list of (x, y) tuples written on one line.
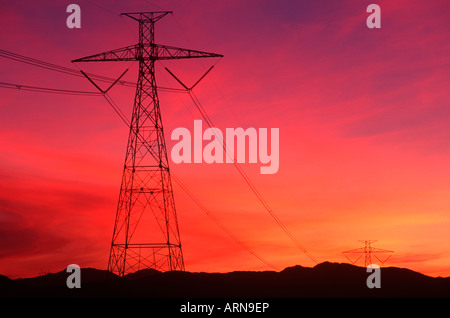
[(215, 220), (47, 90), (70, 71), (46, 65), (189, 193), (186, 190), (249, 182)]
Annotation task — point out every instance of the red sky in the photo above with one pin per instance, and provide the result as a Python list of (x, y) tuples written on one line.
[(363, 117)]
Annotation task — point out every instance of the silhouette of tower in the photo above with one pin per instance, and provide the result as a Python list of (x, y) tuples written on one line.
[(146, 233), (368, 251)]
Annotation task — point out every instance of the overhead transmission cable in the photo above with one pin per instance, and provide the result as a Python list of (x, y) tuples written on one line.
[(70, 71), (215, 220), (247, 180), (189, 193), (47, 89), (238, 167)]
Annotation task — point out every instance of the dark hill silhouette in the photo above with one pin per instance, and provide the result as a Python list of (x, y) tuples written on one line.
[(56, 279), (142, 273), (323, 280)]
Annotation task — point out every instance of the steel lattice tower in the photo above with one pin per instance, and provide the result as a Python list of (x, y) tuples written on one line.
[(146, 233), (368, 251)]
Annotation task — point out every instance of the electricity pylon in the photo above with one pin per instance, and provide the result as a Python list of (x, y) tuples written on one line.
[(368, 251), (146, 233)]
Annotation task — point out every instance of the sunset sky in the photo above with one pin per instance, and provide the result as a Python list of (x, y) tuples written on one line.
[(363, 115)]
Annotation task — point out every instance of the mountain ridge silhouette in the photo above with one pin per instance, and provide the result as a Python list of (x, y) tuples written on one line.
[(330, 280)]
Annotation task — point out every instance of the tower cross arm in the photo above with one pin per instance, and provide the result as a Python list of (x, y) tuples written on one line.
[(146, 52), (357, 250), (127, 53), (165, 52), (380, 250)]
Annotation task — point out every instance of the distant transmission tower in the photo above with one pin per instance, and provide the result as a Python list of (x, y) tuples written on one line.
[(146, 233), (368, 251)]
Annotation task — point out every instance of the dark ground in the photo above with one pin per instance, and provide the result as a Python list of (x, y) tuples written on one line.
[(325, 280)]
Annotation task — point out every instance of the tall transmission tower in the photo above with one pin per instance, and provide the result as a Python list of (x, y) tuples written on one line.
[(146, 233), (368, 251)]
